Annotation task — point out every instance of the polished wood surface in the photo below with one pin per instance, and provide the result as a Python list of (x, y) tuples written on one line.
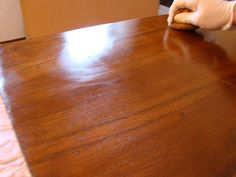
[(133, 99)]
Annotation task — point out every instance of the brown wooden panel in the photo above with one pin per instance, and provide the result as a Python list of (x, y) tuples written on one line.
[(133, 99), (49, 17)]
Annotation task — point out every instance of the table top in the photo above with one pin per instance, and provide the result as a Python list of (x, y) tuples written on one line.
[(132, 98)]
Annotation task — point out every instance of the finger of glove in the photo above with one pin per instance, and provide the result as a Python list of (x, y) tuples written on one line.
[(185, 17), (177, 6)]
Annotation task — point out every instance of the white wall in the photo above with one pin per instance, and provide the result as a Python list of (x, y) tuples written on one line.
[(11, 21)]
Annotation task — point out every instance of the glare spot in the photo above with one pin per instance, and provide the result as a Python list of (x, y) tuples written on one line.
[(88, 45)]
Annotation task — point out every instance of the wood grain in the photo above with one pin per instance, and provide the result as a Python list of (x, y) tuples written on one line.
[(133, 98)]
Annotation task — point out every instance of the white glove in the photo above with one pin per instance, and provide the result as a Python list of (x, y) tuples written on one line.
[(206, 14)]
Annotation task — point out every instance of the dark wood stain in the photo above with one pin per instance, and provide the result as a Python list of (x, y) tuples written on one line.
[(133, 98)]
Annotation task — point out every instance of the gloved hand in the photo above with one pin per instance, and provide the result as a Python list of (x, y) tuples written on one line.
[(206, 14)]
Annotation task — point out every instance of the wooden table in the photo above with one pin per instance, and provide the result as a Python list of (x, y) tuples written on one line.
[(128, 99)]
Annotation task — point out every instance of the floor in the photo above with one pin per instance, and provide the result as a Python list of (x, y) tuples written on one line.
[(12, 161)]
